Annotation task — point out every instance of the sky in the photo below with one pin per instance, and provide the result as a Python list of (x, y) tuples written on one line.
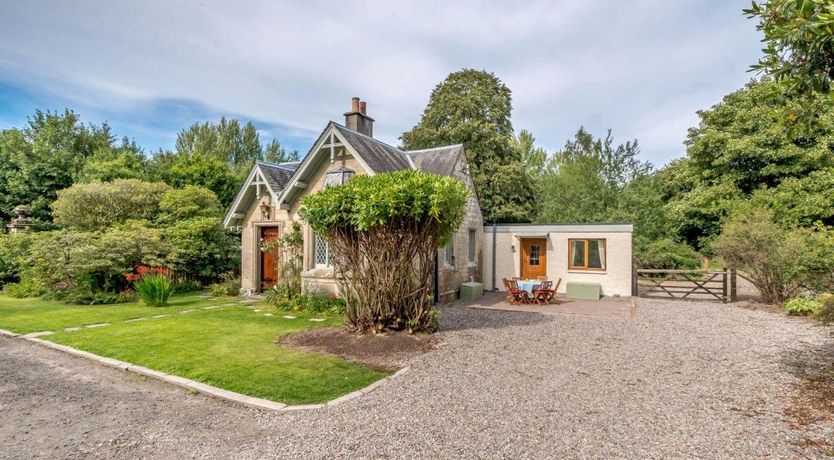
[(151, 68)]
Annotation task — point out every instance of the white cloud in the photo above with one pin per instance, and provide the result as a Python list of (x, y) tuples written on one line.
[(641, 68)]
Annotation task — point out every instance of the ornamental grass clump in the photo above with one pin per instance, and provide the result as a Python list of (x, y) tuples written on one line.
[(154, 290), (384, 231)]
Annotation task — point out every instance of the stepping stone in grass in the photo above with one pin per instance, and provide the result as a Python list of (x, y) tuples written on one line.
[(256, 311), (38, 334), (267, 314), (185, 312), (318, 320), (135, 319), (72, 329), (159, 316), (289, 317), (211, 308), (91, 326)]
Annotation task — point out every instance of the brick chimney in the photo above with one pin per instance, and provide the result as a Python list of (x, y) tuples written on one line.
[(357, 119)]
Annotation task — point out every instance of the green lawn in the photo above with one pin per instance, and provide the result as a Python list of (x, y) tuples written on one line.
[(29, 315), (233, 347)]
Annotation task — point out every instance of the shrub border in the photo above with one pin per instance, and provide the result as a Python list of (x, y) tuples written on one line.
[(249, 401)]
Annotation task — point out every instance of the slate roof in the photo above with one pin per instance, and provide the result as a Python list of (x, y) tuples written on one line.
[(277, 175), (379, 156), (440, 160)]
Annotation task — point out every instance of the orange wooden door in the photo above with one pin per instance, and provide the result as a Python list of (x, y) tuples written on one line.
[(533, 257), (269, 269)]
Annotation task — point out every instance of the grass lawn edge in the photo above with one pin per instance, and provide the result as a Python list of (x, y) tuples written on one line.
[(249, 401)]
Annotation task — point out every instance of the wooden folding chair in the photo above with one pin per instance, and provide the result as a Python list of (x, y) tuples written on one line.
[(516, 295), (542, 293)]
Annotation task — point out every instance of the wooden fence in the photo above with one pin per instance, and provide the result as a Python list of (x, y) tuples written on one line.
[(683, 284)]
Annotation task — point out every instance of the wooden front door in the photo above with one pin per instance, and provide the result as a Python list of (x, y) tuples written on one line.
[(533, 257), (269, 269)]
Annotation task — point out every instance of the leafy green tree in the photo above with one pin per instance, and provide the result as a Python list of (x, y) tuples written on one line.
[(201, 246), (585, 181), (127, 161), (211, 173), (226, 141), (98, 205), (473, 108), (799, 48), (274, 152), (532, 157), (44, 157), (188, 202), (740, 149)]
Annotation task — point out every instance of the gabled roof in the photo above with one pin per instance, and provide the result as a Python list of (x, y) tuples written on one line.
[(271, 176), (286, 180), (380, 156)]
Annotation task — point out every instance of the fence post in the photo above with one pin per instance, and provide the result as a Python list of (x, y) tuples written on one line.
[(725, 285), (634, 291), (732, 285)]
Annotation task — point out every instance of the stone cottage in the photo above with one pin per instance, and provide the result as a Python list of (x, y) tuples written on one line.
[(268, 203), (269, 200)]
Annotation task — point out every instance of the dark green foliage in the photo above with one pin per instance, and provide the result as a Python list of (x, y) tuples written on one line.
[(740, 150), (13, 250), (154, 290), (201, 247), (473, 108), (666, 254), (592, 180), (126, 161), (799, 50), (208, 172), (45, 156)]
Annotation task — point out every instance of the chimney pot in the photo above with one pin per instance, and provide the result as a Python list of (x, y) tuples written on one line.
[(358, 120)]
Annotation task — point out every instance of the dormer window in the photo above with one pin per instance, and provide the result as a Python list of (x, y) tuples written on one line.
[(337, 176)]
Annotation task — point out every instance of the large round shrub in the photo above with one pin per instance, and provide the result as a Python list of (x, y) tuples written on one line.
[(384, 231)]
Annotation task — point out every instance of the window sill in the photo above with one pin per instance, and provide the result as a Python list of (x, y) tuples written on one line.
[(323, 272), (591, 271), (449, 267), (472, 265)]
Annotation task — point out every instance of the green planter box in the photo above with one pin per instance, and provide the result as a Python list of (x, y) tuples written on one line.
[(471, 291), (585, 291)]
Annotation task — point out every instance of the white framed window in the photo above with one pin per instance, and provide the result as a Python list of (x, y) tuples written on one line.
[(321, 251), (472, 236), (450, 253)]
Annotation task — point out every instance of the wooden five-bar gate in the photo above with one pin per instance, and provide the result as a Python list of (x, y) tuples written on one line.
[(683, 284)]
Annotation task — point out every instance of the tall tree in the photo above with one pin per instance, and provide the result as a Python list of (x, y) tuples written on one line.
[(799, 49), (740, 150), (592, 180), (274, 152), (228, 141), (44, 157), (473, 108)]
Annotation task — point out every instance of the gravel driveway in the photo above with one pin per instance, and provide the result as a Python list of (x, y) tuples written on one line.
[(681, 379)]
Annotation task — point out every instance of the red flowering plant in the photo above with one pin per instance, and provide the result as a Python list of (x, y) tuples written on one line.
[(141, 270)]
